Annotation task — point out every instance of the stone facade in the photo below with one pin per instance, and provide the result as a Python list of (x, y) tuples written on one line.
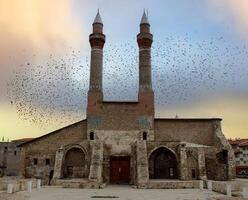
[(123, 141), (10, 157)]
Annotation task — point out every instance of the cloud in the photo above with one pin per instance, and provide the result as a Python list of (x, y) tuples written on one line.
[(47, 24), (36, 27), (235, 11)]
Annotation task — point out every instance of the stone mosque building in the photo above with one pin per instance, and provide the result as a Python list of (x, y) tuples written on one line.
[(123, 142)]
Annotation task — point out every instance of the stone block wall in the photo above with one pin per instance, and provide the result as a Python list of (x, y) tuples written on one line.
[(9, 158), (173, 184), (191, 141), (38, 156), (185, 130), (219, 157), (121, 116)]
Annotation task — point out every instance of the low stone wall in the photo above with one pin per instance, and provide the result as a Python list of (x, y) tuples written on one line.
[(160, 184), (221, 186), (78, 183), (18, 184), (218, 186)]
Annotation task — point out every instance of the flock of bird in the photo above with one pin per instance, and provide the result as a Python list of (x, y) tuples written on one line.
[(183, 70)]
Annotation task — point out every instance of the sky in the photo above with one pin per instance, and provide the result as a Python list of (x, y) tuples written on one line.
[(199, 60)]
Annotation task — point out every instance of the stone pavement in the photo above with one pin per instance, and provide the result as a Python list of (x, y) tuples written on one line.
[(16, 196), (114, 192), (119, 193)]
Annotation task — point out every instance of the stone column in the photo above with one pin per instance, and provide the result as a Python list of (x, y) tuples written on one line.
[(10, 187), (210, 185), (183, 161), (202, 164), (58, 163), (29, 186), (245, 192), (38, 183), (142, 164), (96, 161), (229, 190), (201, 185)]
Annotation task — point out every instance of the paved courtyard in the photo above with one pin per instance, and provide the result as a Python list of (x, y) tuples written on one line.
[(113, 192)]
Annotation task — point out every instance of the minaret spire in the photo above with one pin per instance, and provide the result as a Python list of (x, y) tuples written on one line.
[(144, 19), (98, 19)]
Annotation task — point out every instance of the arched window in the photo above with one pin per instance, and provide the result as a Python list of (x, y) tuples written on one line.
[(92, 136), (144, 135)]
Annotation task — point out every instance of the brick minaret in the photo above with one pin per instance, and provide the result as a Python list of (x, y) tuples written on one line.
[(97, 40), (144, 39)]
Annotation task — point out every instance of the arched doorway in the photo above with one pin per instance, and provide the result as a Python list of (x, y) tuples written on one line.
[(163, 164), (74, 163)]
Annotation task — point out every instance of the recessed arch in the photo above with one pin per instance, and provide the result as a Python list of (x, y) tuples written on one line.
[(162, 146), (192, 165), (70, 146), (163, 164), (74, 163)]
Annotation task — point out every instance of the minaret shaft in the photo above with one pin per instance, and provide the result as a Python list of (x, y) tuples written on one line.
[(145, 80), (96, 69)]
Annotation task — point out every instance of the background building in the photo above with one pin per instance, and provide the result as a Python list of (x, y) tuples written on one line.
[(240, 147), (10, 157)]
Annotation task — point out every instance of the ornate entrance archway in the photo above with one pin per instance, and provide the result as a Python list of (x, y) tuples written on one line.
[(74, 163), (163, 164)]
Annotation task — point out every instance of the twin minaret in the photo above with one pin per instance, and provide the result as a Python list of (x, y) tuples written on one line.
[(97, 40), (144, 39)]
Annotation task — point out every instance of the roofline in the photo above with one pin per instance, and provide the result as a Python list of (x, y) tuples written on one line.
[(189, 119), (22, 140), (168, 119), (35, 139)]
